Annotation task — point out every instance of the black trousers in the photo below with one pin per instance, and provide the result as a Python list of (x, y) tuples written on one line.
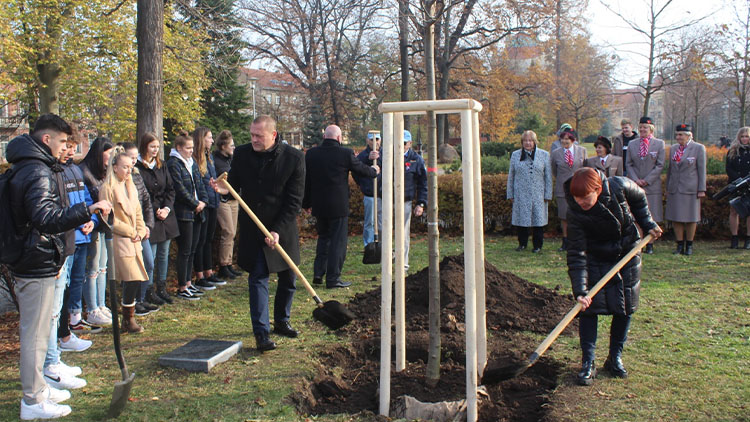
[(537, 234), (202, 260), (187, 243), (331, 249), (129, 291)]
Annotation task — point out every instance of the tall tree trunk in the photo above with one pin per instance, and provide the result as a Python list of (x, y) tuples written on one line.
[(403, 43), (558, 67), (433, 235), (49, 75), (149, 103)]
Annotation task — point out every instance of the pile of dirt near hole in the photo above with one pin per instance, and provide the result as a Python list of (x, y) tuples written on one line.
[(348, 377)]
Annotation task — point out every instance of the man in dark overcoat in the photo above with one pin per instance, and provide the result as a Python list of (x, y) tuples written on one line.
[(270, 177), (327, 193)]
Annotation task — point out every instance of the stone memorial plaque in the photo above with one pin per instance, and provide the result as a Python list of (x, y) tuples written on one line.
[(200, 355)]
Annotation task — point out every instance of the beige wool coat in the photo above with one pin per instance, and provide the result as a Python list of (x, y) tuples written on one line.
[(128, 223)]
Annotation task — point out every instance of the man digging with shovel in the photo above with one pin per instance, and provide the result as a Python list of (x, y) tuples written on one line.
[(270, 177)]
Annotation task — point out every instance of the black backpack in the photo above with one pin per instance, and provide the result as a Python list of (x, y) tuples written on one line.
[(11, 241)]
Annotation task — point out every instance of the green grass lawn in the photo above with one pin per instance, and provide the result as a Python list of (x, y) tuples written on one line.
[(688, 352)]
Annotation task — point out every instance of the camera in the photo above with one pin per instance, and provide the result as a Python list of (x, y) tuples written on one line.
[(739, 193)]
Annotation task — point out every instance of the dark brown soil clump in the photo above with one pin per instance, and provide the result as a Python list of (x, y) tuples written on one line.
[(347, 381)]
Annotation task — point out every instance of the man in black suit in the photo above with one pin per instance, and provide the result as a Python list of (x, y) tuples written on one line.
[(327, 193), (270, 176)]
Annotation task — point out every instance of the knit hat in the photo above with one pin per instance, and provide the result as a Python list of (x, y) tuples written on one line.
[(563, 127)]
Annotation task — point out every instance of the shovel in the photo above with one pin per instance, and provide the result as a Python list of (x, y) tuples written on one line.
[(331, 313), (495, 375), (372, 249), (122, 388)]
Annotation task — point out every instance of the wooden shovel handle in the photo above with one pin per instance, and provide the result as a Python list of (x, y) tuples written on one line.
[(282, 252), (592, 292)]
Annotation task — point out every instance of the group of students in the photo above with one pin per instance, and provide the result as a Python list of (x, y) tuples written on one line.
[(639, 156), (151, 203)]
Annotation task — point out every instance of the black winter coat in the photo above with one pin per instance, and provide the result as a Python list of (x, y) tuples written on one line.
[(599, 237), (365, 183), (213, 197), (327, 180), (223, 164), (272, 184), (39, 209), (158, 182), (145, 199), (185, 184), (739, 165)]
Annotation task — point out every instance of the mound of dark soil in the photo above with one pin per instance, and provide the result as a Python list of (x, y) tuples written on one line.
[(347, 381)]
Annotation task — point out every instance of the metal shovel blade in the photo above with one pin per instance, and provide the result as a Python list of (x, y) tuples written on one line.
[(372, 253), (120, 396)]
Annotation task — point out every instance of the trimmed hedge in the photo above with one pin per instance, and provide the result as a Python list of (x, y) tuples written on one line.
[(497, 209)]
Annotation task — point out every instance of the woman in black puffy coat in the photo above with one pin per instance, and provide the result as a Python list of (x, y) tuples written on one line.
[(602, 218), (738, 165)]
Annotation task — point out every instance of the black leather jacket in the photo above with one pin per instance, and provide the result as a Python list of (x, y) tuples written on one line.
[(144, 198), (599, 237), (38, 208)]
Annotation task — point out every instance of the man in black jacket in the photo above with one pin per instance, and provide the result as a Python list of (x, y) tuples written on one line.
[(39, 206), (327, 192), (270, 177)]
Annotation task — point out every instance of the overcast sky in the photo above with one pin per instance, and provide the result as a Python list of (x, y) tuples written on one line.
[(609, 31)]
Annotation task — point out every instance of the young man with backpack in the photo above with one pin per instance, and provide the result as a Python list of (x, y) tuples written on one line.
[(40, 215)]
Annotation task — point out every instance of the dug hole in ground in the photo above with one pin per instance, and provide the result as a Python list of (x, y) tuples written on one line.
[(347, 378)]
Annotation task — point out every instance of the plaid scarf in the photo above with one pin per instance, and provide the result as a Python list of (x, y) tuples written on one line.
[(678, 155), (643, 151), (569, 158)]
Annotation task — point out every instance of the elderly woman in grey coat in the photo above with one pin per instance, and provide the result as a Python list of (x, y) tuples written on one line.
[(530, 188)]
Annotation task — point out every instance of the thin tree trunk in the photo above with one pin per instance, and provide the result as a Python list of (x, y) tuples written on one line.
[(558, 67), (433, 236), (149, 102), (403, 38)]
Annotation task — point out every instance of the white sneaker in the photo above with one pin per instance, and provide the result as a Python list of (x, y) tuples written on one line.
[(58, 379), (43, 410), (97, 317), (105, 311), (57, 396), (75, 344), (73, 371)]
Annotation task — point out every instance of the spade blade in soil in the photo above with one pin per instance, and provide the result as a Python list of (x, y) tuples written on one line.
[(333, 314), (372, 253), (495, 375)]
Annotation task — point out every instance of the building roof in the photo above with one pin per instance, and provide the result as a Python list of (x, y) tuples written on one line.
[(271, 80)]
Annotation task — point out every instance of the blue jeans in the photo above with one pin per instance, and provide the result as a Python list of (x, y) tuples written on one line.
[(53, 353), (148, 262), (77, 277), (257, 282), (160, 252), (618, 335), (95, 286)]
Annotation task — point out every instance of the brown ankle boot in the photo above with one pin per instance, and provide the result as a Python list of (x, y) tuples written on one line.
[(129, 325)]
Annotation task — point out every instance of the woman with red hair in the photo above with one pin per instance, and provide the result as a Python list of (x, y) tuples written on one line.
[(602, 217)]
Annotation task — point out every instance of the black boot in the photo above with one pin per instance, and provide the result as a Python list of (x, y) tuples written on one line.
[(735, 242), (236, 273), (161, 291), (680, 248), (650, 249), (564, 246), (688, 247), (614, 366), (153, 298), (520, 248), (224, 272), (263, 343), (747, 242), (587, 374)]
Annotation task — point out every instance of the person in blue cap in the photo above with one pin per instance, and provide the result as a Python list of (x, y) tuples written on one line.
[(369, 156), (415, 190)]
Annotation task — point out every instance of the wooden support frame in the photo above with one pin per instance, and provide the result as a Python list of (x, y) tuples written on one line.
[(393, 222)]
